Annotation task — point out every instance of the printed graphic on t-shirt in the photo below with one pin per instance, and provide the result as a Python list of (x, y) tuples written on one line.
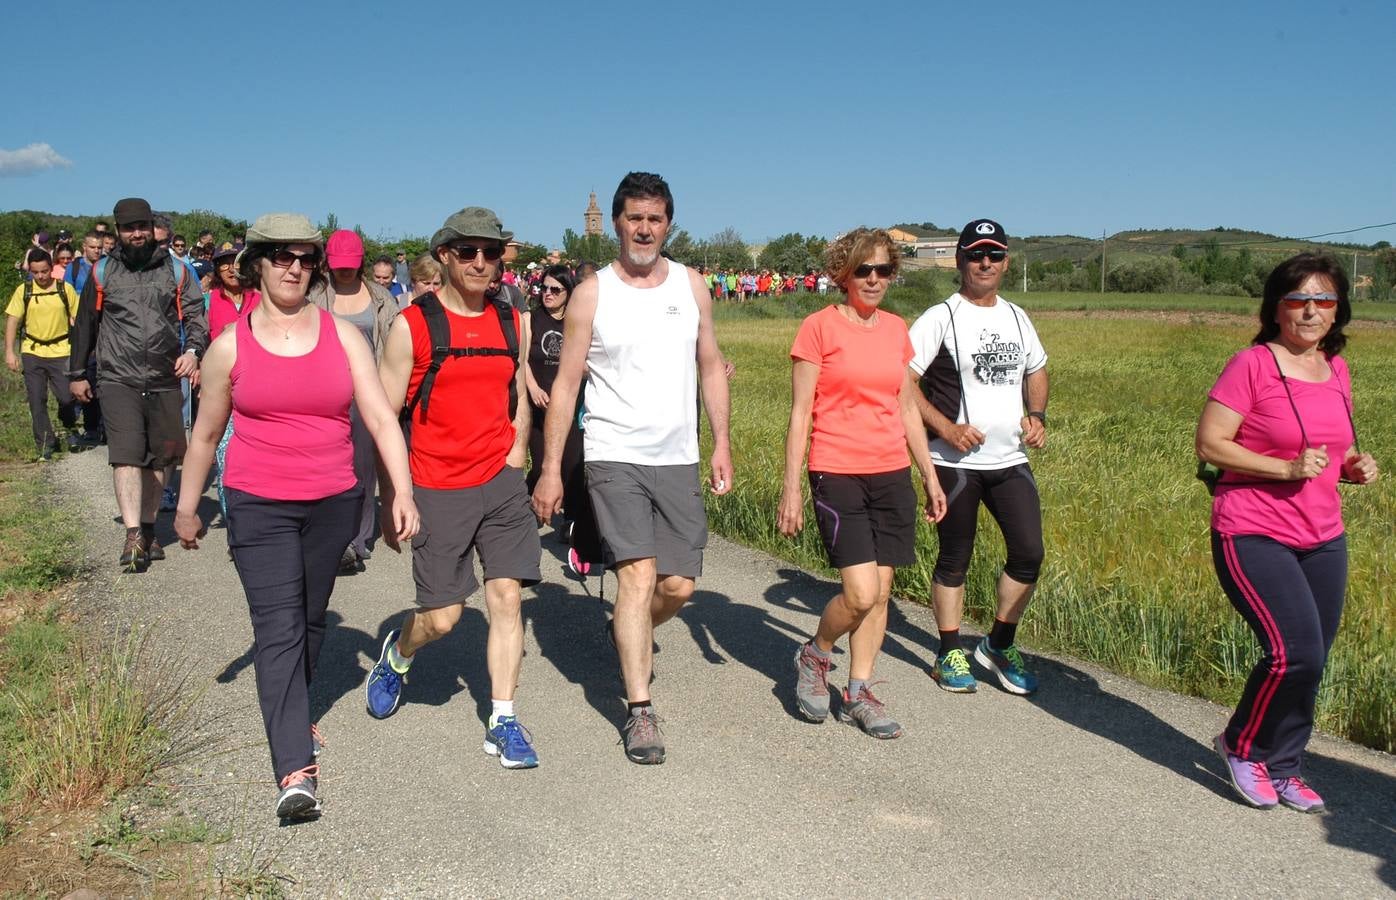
[(552, 346), (997, 361)]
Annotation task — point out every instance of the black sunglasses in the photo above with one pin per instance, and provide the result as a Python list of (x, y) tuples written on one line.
[(554, 290), (284, 259), (467, 252), (883, 270), (979, 253)]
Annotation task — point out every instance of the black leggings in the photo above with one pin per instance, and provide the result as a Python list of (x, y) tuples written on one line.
[(574, 483), (1292, 600), (1011, 498), (287, 554)]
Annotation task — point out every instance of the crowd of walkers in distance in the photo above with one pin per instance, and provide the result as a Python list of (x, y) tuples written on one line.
[(303, 379)]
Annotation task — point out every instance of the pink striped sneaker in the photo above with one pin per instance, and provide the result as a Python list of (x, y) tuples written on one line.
[(1295, 793), (1250, 779)]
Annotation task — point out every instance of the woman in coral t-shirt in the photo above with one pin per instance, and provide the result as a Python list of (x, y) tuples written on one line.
[(852, 390), (1278, 423)]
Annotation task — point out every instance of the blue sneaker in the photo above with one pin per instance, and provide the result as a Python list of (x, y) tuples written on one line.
[(511, 742), (1007, 666), (952, 673), (383, 690)]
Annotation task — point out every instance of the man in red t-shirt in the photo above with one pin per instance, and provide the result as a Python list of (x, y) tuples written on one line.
[(467, 455)]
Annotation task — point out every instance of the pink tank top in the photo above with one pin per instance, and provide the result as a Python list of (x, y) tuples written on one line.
[(291, 419)]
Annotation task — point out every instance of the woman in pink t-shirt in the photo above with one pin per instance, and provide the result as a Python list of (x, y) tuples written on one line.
[(852, 389), (1279, 425), (287, 372)]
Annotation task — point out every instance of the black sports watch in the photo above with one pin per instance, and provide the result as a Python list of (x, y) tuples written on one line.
[(1039, 415)]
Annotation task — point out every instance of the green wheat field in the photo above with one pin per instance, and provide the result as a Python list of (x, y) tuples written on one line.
[(1128, 580)]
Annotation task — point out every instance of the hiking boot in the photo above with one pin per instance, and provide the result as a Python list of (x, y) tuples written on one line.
[(297, 800), (644, 742), (383, 690), (1250, 779), (168, 500), (133, 557), (952, 673), (812, 683), (1295, 793), (1008, 667), (512, 743), (868, 713), (153, 551)]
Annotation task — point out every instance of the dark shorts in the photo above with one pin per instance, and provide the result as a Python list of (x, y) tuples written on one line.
[(144, 428), (493, 518), (650, 512), (866, 518)]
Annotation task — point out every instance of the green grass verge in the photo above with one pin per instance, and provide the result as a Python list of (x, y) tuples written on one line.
[(1128, 580)]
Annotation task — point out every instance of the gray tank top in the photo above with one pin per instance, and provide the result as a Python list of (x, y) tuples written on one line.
[(362, 320)]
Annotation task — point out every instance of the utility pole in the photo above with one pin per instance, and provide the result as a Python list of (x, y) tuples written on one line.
[(1102, 260), (1025, 271)]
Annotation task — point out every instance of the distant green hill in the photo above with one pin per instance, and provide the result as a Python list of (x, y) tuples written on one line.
[(1142, 243)]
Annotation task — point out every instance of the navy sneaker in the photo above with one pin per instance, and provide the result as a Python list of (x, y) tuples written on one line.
[(383, 690), (512, 743)]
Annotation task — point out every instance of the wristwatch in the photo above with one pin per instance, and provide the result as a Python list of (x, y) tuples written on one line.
[(1039, 415)]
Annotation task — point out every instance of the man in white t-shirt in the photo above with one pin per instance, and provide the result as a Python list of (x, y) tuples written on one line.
[(983, 378), (641, 332)]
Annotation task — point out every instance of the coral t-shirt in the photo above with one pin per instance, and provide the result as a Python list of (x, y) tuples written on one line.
[(1298, 514), (857, 423), (467, 432)]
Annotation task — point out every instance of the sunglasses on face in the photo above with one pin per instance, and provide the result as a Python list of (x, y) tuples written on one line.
[(467, 252), (979, 253), (553, 290), (1299, 301), (883, 270), (283, 259)]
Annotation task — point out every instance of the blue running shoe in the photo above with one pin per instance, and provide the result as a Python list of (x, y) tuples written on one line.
[(512, 743), (383, 690), (1007, 666), (952, 673)]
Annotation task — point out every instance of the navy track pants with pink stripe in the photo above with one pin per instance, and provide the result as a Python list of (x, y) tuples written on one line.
[(1292, 600)]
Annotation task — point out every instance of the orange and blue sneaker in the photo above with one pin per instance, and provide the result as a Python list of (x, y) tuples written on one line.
[(512, 743)]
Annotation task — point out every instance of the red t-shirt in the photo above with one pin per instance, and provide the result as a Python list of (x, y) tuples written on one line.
[(467, 432), (857, 428)]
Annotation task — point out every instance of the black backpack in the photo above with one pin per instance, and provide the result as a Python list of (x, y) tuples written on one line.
[(439, 330), (65, 291)]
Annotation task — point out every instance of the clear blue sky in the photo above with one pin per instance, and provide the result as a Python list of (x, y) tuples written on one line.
[(765, 116)]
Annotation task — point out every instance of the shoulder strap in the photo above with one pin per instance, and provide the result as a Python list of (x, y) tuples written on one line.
[(439, 333), (964, 401), (1303, 436), (505, 311), (181, 274), (99, 271)]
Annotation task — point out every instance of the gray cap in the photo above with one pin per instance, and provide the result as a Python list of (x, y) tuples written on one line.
[(281, 228), (473, 221)]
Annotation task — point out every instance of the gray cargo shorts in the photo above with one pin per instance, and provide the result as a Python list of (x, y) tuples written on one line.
[(647, 512)]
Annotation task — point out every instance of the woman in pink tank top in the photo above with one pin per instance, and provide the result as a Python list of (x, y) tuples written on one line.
[(286, 373)]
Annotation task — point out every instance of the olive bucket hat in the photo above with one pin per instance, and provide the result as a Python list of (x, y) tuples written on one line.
[(281, 228), (473, 221)]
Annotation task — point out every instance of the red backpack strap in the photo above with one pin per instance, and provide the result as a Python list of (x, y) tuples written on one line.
[(98, 270), (181, 274)]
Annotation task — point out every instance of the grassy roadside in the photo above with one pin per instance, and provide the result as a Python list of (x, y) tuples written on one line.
[(1128, 580), (85, 717)]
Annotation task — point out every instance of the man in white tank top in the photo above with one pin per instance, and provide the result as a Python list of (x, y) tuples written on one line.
[(641, 333)]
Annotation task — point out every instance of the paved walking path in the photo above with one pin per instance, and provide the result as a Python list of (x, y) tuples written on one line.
[(1097, 786)]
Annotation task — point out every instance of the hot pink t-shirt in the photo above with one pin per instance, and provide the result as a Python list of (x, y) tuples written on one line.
[(857, 427), (222, 312), (1298, 514), (291, 419)]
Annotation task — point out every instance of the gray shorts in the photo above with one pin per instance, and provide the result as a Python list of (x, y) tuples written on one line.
[(494, 518), (647, 512)]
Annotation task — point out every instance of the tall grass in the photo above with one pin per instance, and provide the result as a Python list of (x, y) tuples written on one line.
[(1128, 581)]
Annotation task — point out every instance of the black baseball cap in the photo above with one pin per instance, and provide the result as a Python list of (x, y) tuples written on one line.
[(983, 231)]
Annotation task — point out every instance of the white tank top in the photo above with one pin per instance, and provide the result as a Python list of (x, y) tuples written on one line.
[(642, 374)]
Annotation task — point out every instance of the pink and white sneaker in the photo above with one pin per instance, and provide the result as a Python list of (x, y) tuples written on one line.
[(578, 565), (1295, 793)]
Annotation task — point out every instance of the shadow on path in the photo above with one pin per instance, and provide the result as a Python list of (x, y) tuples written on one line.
[(571, 633), (750, 636)]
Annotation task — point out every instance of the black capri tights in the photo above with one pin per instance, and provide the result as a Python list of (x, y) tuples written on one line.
[(1011, 498)]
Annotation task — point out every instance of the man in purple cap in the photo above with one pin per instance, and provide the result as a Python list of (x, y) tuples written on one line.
[(132, 309), (983, 378)]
